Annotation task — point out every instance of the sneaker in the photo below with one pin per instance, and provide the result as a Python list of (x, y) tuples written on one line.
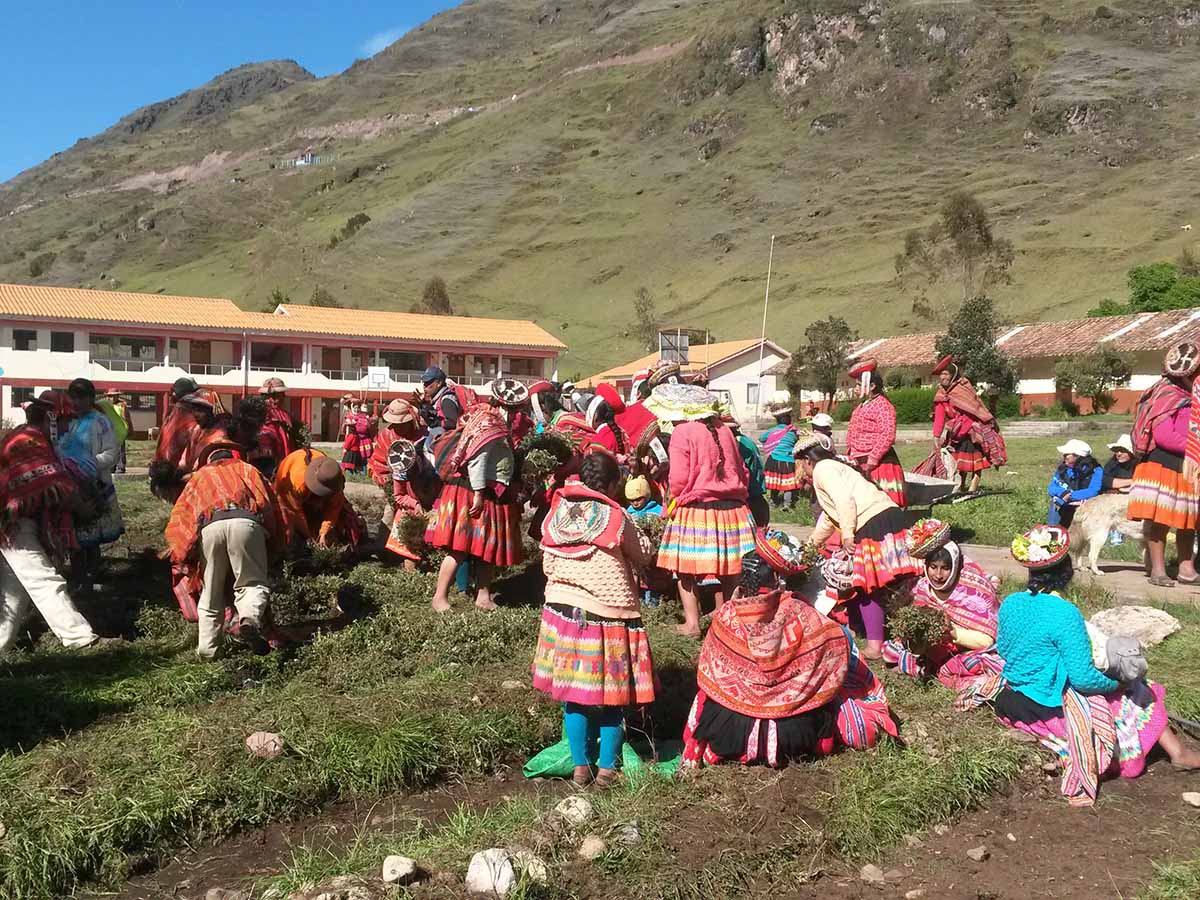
[(249, 633)]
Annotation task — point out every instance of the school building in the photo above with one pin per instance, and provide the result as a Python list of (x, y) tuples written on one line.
[(140, 344)]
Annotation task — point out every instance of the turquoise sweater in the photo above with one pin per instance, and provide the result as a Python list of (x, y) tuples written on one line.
[(1045, 648)]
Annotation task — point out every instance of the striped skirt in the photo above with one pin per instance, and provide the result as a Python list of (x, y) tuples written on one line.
[(494, 537), (1161, 494), (780, 474), (889, 477), (968, 457), (592, 660), (880, 553), (707, 539)]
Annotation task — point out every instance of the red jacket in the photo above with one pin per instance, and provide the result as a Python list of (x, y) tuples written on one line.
[(872, 431)]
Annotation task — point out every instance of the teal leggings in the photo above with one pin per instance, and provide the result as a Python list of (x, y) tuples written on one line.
[(585, 726)]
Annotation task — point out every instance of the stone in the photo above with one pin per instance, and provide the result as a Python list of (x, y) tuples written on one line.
[(871, 874), (979, 854), (1191, 798), (1012, 837), (226, 894), (915, 894), (894, 875), (531, 865), (491, 872), (592, 847), (265, 745), (941, 830), (511, 685), (399, 870), (629, 834), (1149, 625), (3, 831), (709, 149), (913, 842), (575, 810), (1050, 766)]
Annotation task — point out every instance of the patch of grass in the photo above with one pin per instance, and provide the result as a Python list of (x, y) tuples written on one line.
[(1175, 881)]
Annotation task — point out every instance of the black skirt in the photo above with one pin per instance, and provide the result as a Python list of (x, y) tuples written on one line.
[(1016, 707), (878, 527), (727, 732)]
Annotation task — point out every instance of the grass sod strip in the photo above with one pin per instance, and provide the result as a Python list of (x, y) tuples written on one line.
[(1174, 881)]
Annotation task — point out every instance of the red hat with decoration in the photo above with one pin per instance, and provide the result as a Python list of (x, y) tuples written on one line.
[(609, 395)]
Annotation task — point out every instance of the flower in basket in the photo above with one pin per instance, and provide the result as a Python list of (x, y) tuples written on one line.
[(1041, 547), (782, 552)]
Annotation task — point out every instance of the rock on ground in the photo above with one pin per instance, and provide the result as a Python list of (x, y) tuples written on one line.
[(871, 874), (979, 854), (399, 870), (593, 847), (226, 894), (265, 745), (531, 865), (575, 810), (1149, 625), (491, 872), (1191, 798)]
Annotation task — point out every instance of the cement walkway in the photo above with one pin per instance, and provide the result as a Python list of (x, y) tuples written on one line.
[(1126, 581)]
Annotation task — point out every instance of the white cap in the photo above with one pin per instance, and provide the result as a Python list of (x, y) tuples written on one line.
[(1124, 442), (822, 420), (1076, 447)]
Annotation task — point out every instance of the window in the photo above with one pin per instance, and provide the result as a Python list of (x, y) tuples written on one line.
[(402, 361), (21, 396), (522, 366), (485, 366), (110, 346), (24, 340), (142, 402), (752, 394), (62, 342)]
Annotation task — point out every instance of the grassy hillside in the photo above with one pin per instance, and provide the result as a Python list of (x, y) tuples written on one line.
[(549, 160)]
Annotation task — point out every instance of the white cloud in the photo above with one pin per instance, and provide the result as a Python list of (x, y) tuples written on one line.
[(381, 40)]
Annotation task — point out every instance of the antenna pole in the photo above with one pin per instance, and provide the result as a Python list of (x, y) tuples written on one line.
[(763, 343)]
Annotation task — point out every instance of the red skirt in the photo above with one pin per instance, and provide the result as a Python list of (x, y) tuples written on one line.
[(880, 553), (969, 458), (1160, 494), (780, 475), (889, 476), (494, 537)]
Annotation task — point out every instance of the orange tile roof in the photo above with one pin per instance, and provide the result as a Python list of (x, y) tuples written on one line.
[(410, 326), (700, 357), (46, 302), (126, 308)]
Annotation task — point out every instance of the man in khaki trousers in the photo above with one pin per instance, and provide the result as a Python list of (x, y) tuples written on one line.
[(228, 520)]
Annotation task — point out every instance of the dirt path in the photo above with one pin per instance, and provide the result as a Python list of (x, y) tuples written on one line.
[(1056, 851)]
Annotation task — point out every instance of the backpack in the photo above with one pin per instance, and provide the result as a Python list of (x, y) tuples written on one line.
[(119, 425)]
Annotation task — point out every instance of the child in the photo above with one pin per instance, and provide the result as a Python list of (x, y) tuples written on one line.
[(641, 500), (592, 653)]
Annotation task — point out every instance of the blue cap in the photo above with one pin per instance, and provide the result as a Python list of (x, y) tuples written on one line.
[(433, 373)]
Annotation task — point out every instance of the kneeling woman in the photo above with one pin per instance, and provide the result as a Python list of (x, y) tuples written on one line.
[(872, 529), (592, 653), (1098, 726), (779, 681), (966, 596)]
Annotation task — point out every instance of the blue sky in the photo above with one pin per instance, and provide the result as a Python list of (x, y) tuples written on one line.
[(71, 68)]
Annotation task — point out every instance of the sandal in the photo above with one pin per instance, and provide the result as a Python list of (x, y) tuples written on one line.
[(582, 776), (606, 778), (1161, 581), (1195, 579)]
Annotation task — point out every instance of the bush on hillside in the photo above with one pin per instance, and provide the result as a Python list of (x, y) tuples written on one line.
[(1008, 406), (40, 264), (914, 405)]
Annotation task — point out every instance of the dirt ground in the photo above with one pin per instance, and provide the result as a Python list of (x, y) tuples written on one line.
[(1037, 845)]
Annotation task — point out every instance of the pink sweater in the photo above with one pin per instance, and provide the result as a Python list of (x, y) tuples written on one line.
[(694, 459), (1170, 432)]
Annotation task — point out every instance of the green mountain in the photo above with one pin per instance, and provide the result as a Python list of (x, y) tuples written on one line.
[(549, 159)]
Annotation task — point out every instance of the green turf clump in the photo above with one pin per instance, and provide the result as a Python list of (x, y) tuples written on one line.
[(919, 628), (653, 528)]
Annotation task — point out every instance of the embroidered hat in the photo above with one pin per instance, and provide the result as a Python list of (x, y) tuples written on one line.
[(780, 551), (1182, 360), (273, 385), (822, 420), (1042, 547), (806, 440), (780, 408), (926, 536), (861, 372), (401, 456), (943, 364), (662, 372), (682, 403), (510, 392), (399, 412), (610, 396), (839, 571)]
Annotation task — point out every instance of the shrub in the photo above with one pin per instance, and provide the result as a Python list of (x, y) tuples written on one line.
[(40, 264), (913, 404), (1060, 409), (841, 412), (1008, 406)]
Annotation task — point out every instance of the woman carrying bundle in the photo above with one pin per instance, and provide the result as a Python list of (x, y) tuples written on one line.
[(593, 655), (1165, 493), (778, 681), (962, 423), (962, 592), (475, 515), (872, 529), (359, 444), (709, 527)]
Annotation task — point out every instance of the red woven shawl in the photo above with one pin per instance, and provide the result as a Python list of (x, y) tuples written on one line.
[(772, 656), (34, 486)]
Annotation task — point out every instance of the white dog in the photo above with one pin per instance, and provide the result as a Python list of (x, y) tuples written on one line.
[(1094, 520)]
